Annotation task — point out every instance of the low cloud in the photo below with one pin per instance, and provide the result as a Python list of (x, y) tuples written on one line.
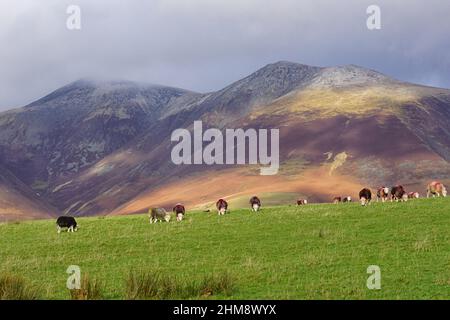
[(204, 45)]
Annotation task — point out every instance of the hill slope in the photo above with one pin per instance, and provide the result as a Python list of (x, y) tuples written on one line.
[(18, 201), (308, 252)]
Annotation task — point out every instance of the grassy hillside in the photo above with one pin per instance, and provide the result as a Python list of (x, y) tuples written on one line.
[(310, 252)]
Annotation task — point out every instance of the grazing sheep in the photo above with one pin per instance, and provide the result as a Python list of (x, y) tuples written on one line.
[(413, 195), (222, 207), (436, 188), (365, 196), (337, 200), (158, 214), (255, 203), (383, 194), (398, 193), (66, 222), (179, 211)]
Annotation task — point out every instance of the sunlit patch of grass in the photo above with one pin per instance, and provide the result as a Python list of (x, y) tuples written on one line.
[(353, 101)]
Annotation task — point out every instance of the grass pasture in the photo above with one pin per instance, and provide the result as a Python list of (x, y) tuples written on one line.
[(309, 252)]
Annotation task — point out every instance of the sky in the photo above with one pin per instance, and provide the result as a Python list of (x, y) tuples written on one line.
[(204, 45)]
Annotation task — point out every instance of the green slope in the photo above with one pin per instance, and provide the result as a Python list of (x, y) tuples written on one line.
[(310, 252)]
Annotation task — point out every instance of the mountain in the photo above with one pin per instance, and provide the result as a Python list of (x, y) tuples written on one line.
[(104, 147), (77, 125)]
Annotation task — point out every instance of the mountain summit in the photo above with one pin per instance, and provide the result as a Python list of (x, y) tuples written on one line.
[(349, 75)]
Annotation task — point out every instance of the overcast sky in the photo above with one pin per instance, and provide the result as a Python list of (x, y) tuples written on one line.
[(203, 45)]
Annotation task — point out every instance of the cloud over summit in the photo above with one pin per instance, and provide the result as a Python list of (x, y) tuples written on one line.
[(204, 45)]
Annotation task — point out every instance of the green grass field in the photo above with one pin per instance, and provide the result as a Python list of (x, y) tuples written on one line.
[(309, 252)]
